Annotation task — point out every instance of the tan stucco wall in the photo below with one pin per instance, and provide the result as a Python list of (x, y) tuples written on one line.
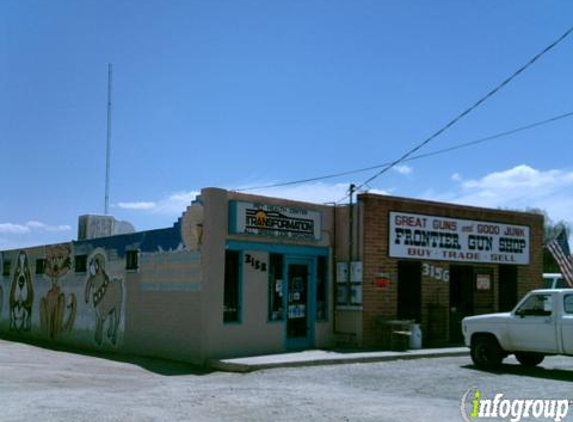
[(163, 304), (157, 305), (254, 334)]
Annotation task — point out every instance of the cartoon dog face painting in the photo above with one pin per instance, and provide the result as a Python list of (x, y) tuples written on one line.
[(21, 295), (106, 297)]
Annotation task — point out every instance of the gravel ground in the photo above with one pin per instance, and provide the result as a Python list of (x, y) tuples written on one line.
[(44, 385)]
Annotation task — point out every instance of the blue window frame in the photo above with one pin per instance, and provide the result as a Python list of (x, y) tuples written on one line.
[(276, 287), (321, 289), (280, 255)]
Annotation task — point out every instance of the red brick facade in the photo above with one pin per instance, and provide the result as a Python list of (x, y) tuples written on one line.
[(382, 303)]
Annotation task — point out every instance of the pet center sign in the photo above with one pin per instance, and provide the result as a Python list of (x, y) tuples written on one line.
[(450, 239), (275, 220)]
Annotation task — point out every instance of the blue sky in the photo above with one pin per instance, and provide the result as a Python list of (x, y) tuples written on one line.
[(244, 93)]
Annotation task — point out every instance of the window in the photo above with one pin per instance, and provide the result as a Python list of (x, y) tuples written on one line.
[(276, 287), (81, 263), (537, 305), (321, 289), (132, 260), (231, 300), (40, 266), (568, 304), (6, 268)]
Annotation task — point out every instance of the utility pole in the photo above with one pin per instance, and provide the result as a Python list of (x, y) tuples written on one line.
[(108, 145), (350, 243)]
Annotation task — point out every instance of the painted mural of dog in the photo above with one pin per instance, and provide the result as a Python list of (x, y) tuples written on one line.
[(55, 304), (21, 295), (106, 297)]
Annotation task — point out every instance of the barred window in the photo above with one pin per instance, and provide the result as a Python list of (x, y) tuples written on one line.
[(40, 266), (6, 268), (132, 260), (81, 263)]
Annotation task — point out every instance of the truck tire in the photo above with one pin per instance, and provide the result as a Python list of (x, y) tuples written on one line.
[(486, 353), (529, 359)]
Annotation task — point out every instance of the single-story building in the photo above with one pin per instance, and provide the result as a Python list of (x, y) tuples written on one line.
[(242, 274)]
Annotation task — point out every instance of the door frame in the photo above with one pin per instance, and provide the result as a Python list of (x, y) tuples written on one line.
[(308, 341), (506, 287), (408, 291), (464, 286)]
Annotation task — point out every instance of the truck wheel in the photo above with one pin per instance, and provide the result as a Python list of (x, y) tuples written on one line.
[(529, 359), (486, 353)]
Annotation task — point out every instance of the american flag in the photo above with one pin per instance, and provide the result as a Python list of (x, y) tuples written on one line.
[(559, 248)]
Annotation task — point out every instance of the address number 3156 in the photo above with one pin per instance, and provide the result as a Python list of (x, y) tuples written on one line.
[(435, 272)]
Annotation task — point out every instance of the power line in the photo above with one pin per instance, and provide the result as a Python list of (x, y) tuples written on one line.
[(465, 112), (415, 157)]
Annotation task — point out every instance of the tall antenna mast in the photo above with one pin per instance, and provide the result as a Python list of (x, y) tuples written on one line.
[(108, 147)]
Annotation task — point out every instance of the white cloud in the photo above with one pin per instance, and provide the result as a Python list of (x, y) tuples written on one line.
[(13, 228), (31, 225), (136, 205), (47, 227), (456, 177), (175, 203), (405, 170), (522, 177), (172, 205), (519, 187)]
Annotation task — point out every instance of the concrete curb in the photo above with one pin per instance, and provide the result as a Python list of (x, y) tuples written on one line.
[(316, 358)]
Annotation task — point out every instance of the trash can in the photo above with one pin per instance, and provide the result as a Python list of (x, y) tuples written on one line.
[(395, 334), (415, 336), (400, 340)]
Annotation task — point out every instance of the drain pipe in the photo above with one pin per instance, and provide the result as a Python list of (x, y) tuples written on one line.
[(350, 243), (333, 271)]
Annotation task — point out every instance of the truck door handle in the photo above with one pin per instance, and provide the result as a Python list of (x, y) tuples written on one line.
[(548, 320)]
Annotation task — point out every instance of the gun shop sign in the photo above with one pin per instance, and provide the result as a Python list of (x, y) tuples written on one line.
[(450, 239)]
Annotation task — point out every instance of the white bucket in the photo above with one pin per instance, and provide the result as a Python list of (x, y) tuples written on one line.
[(415, 337)]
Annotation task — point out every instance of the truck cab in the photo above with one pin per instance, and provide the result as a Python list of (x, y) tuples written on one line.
[(541, 324)]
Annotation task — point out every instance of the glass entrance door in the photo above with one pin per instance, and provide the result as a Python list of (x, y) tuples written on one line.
[(298, 312)]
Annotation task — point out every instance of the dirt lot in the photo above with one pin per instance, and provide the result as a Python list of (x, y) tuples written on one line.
[(44, 385)]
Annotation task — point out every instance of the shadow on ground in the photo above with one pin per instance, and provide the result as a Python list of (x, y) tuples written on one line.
[(520, 370), (156, 365)]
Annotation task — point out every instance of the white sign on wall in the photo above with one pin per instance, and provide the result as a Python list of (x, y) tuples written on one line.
[(450, 239), (275, 220)]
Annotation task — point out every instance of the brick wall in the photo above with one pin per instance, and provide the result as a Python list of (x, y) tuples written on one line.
[(381, 304)]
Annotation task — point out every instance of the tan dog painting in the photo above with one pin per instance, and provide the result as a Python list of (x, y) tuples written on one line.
[(106, 297), (54, 304)]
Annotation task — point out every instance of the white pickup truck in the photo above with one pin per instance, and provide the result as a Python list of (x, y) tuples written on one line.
[(541, 324)]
